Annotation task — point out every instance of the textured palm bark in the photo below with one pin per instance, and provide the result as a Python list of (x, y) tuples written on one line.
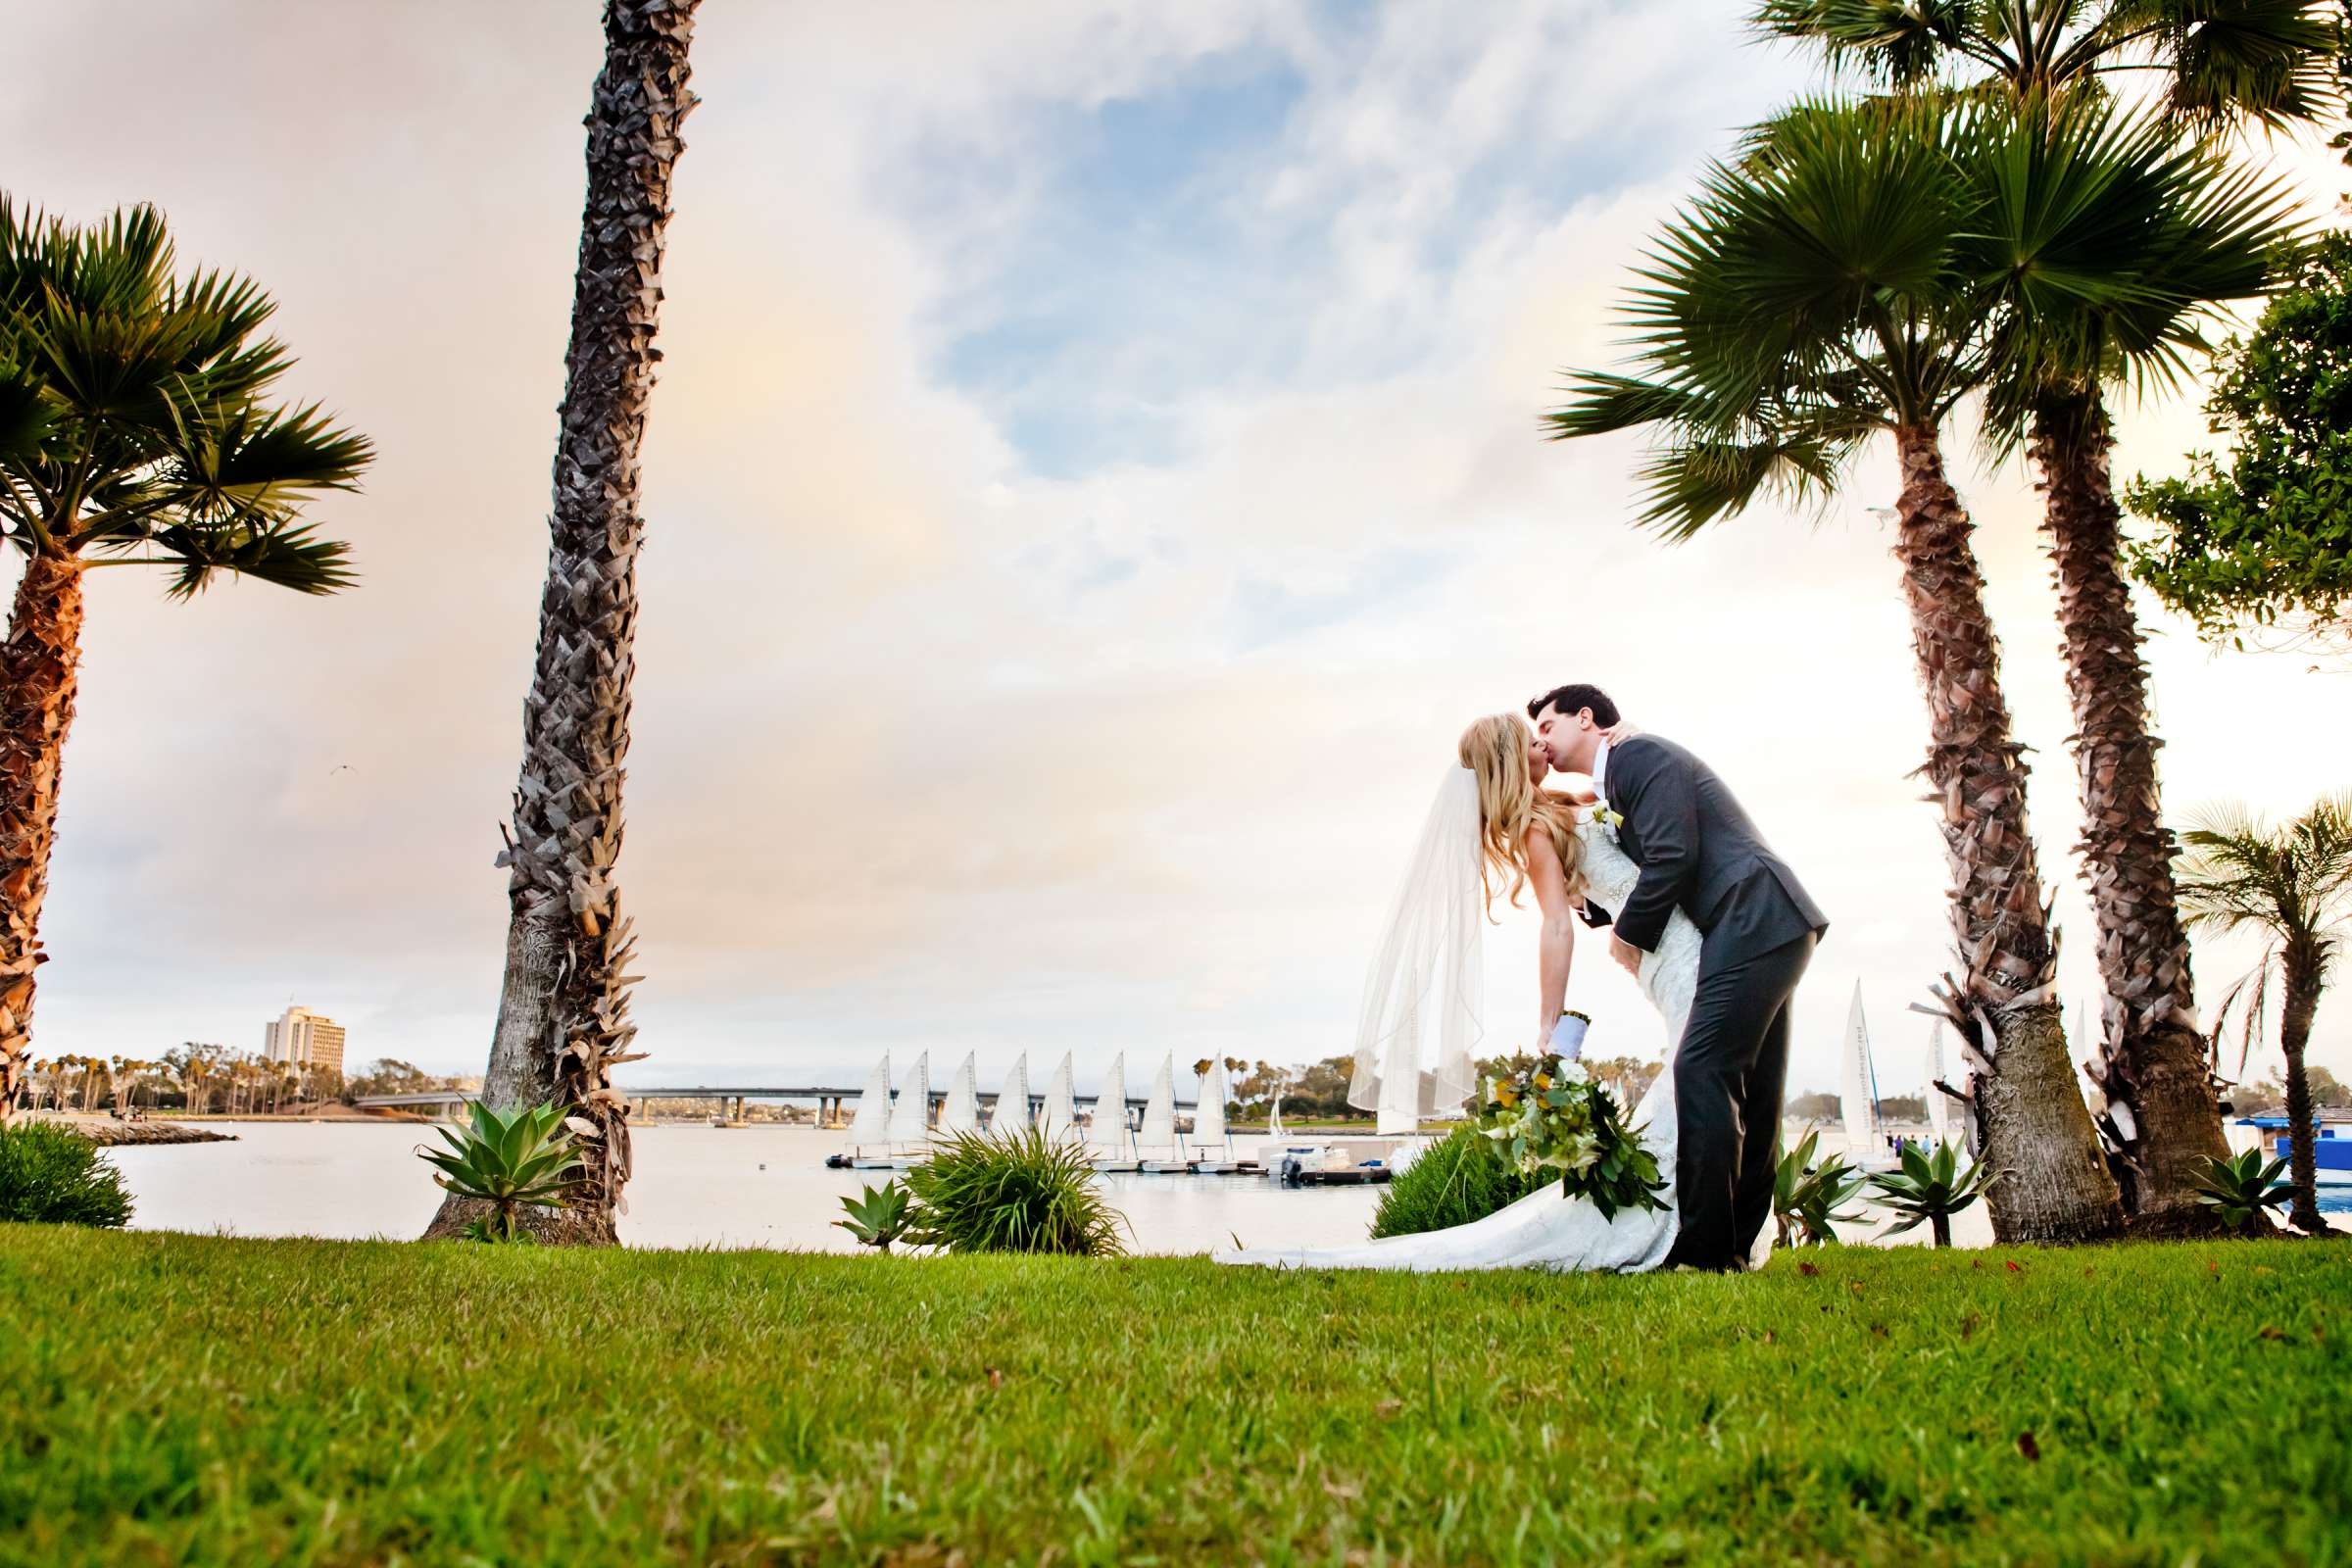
[(37, 676), (2164, 1118), (2295, 1033), (2027, 1119), (562, 1015)]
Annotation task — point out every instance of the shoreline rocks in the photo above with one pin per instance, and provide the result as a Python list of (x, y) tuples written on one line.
[(111, 1134)]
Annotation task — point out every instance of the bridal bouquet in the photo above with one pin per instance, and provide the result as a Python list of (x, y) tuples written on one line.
[(1554, 1115)]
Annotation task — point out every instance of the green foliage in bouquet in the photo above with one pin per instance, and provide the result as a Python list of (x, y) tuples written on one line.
[(1462, 1179), (1020, 1193), (52, 1176), (1554, 1116)]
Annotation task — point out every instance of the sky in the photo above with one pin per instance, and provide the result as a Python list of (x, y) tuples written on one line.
[(1096, 474)]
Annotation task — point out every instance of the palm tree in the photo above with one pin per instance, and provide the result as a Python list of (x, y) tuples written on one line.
[(2121, 308), (563, 1012), (1831, 288), (133, 433), (2294, 886)]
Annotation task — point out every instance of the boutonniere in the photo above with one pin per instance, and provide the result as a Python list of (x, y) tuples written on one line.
[(1610, 821)]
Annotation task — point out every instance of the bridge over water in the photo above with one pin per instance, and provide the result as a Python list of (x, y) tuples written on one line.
[(730, 1099)]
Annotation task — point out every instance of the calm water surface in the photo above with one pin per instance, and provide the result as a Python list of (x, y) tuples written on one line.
[(712, 1187)]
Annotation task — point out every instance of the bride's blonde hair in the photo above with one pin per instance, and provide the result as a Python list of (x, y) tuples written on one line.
[(1495, 751)]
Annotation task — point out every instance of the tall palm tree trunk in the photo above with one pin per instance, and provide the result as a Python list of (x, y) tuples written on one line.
[(2295, 1033), (37, 679), (2163, 1118), (562, 1011), (2026, 1116)]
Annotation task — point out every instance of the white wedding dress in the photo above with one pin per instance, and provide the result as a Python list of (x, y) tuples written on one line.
[(1546, 1229)]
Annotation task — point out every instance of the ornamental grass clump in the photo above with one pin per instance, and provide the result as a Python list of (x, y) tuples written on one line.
[(52, 1176), (1018, 1193), (1460, 1179)]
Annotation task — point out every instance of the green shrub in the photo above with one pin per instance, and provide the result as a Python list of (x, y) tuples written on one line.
[(1807, 1199), (50, 1176), (2239, 1189), (523, 1157), (1016, 1194), (1931, 1188), (879, 1216), (1459, 1180)]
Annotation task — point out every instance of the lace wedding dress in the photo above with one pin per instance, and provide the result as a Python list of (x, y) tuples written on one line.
[(1546, 1229)]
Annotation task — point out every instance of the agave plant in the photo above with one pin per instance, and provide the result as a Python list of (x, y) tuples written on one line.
[(525, 1155), (2239, 1189), (1931, 1188), (1806, 1197), (879, 1216), (1017, 1193)]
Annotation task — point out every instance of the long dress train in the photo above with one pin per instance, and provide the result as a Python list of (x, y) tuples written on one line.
[(1546, 1229)]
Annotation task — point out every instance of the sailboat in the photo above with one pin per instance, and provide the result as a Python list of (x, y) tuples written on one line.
[(1059, 1118), (1274, 1118), (1210, 1139), (869, 1129), (1939, 1104), (1112, 1144), (1858, 1091), (1011, 1115), (1156, 1143), (911, 1114), (960, 1111)]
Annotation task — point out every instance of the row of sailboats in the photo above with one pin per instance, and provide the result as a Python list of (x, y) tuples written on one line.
[(890, 1132)]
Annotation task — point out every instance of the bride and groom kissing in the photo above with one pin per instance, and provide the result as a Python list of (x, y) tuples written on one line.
[(1658, 859)]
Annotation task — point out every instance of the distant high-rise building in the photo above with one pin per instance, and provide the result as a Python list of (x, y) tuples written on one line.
[(305, 1037)]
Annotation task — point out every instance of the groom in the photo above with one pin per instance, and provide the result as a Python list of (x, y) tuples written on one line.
[(1699, 852)]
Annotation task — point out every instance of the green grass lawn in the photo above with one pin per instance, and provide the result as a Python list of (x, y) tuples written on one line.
[(192, 1399)]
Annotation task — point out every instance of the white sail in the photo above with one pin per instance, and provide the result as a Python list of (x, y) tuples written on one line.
[(1208, 1118), (1274, 1117), (1858, 1089), (1059, 1118), (1940, 1107), (960, 1112), (1012, 1100), (1109, 1133), (869, 1128), (912, 1110), (1159, 1134)]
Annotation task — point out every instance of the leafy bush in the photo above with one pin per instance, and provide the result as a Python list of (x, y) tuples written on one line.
[(1931, 1188), (1805, 1200), (52, 1176), (878, 1215), (523, 1157), (1019, 1193), (2237, 1189), (1454, 1182)]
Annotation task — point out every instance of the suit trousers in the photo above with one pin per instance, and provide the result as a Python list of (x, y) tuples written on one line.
[(1728, 1078)]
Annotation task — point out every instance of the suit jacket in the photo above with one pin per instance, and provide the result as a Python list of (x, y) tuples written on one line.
[(1699, 852)]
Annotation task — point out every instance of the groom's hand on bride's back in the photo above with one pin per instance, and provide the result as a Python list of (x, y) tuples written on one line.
[(1629, 957)]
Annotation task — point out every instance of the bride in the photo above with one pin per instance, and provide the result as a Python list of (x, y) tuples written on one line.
[(1494, 826)]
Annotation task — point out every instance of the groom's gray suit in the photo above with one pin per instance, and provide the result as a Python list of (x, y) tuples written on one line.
[(1701, 853)]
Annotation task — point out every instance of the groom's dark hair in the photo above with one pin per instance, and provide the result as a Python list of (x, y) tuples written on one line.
[(1569, 699)]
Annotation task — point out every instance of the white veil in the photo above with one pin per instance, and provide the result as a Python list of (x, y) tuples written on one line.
[(1428, 979)]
